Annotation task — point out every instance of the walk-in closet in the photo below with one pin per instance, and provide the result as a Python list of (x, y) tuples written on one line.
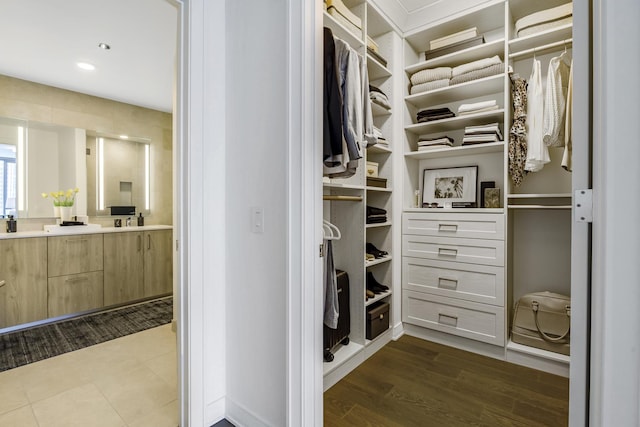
[(472, 167)]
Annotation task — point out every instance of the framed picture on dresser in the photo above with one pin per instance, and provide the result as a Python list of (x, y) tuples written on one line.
[(455, 187)]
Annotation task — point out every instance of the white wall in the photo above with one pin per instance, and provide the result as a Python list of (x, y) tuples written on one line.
[(616, 294), (256, 162)]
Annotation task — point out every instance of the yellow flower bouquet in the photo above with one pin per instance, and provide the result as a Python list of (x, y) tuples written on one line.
[(63, 198)]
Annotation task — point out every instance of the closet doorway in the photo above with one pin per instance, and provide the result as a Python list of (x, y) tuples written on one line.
[(131, 22), (579, 233)]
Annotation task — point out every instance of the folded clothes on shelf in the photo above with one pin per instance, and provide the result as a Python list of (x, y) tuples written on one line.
[(475, 65), (430, 74), (424, 87), (478, 107), (481, 73), (430, 114), (376, 215), (482, 134)]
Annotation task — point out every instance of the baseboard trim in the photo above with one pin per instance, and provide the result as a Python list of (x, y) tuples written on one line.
[(214, 411), (240, 416)]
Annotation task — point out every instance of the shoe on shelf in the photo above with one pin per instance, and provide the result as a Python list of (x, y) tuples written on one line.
[(369, 257), (373, 284), (370, 294), (375, 251)]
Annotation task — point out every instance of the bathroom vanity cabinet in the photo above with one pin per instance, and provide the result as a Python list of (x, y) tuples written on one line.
[(23, 268), (137, 264), (75, 266), (48, 276)]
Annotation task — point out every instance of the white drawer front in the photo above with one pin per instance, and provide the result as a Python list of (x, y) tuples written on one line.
[(473, 251), (449, 224), (466, 319), (479, 283)]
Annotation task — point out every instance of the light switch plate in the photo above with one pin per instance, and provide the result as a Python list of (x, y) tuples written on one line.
[(257, 219)]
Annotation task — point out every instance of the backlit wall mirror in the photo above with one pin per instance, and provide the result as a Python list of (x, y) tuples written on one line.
[(118, 172), (37, 158)]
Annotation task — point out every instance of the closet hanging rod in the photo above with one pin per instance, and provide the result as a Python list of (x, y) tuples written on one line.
[(539, 49), (342, 198)]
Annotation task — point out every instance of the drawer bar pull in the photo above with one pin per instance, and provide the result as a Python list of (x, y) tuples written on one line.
[(447, 252), (447, 319), (75, 240), (447, 227), (443, 282)]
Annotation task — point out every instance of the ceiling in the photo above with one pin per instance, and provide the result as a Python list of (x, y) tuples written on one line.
[(42, 40)]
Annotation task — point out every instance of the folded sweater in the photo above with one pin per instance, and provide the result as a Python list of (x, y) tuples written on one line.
[(430, 74), (424, 87), (475, 65), (491, 70), (476, 106)]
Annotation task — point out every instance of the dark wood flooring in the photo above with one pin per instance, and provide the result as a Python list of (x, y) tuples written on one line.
[(412, 382)]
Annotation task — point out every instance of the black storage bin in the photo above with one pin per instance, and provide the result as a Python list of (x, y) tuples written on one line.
[(340, 335), (377, 319)]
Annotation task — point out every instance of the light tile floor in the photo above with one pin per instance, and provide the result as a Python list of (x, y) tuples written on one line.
[(130, 381)]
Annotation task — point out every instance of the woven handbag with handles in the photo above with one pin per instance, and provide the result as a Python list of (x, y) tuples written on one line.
[(543, 320)]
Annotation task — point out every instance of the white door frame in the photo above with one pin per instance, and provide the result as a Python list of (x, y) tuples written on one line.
[(304, 319), (581, 231)]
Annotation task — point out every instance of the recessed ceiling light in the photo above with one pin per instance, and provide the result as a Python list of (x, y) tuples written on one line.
[(86, 66), (104, 46), (124, 137)]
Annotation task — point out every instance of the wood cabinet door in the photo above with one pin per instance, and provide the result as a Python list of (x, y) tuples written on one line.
[(74, 254), (75, 293), (158, 263), (23, 268), (123, 267)]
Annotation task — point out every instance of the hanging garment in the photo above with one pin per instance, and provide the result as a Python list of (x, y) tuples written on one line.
[(331, 310), (537, 151), (332, 103), (350, 83), (518, 132), (566, 156), (555, 101)]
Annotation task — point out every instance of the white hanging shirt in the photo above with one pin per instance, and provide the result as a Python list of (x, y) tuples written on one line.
[(537, 151), (555, 101), (566, 157)]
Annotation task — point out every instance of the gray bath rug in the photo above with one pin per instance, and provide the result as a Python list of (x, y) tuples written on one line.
[(41, 342)]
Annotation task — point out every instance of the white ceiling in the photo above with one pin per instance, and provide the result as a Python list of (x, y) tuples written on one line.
[(41, 41)]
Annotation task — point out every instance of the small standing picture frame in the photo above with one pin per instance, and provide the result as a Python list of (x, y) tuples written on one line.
[(491, 197), (455, 186)]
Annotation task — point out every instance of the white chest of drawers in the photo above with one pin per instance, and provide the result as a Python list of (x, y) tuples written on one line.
[(453, 273)]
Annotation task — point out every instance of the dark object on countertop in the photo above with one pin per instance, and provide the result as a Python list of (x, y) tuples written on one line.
[(140, 220), (12, 225), (70, 223), (117, 222)]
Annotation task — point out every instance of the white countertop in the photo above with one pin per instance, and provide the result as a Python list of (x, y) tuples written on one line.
[(78, 229)]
